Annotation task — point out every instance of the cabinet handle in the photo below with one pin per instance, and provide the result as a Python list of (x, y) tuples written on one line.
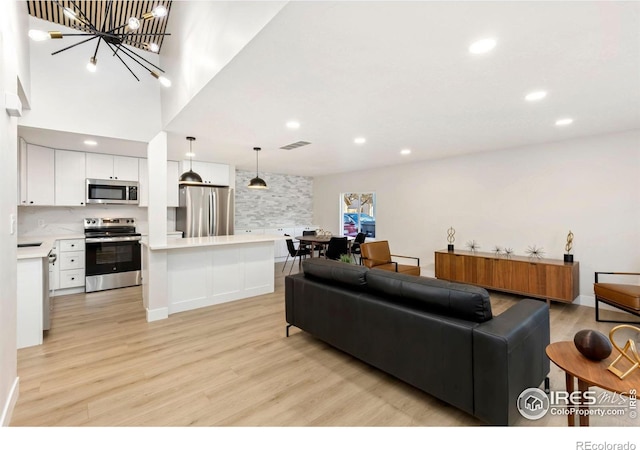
[(111, 178), (73, 260), (73, 278), (82, 203), (31, 203), (115, 178)]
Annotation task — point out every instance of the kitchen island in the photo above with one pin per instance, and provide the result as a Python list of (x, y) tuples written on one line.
[(190, 273)]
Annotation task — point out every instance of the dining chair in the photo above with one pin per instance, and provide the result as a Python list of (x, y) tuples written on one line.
[(295, 253), (337, 246), (318, 247), (355, 246)]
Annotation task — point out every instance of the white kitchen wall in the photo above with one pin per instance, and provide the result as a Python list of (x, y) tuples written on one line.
[(57, 220), (66, 97), (515, 198), (13, 61)]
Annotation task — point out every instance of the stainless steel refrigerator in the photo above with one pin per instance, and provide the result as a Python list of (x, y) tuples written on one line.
[(205, 210)]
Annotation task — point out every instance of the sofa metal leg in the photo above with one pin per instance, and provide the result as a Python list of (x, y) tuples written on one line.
[(288, 326), (547, 388)]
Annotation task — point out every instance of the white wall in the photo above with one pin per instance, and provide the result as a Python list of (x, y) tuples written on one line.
[(515, 198), (205, 36), (12, 18), (66, 97)]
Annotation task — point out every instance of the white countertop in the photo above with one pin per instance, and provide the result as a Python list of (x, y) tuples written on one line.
[(42, 251), (210, 241)]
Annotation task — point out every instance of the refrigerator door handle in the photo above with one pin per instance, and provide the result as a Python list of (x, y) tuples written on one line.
[(214, 212), (210, 224)]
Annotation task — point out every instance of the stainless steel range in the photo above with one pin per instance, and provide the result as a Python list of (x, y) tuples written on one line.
[(112, 253)]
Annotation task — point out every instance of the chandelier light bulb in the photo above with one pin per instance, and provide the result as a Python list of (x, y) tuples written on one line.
[(153, 47), (165, 81), (70, 14), (91, 65), (159, 11), (39, 35), (133, 23)]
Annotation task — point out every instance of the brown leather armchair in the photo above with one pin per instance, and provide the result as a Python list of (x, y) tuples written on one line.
[(622, 296), (376, 255)]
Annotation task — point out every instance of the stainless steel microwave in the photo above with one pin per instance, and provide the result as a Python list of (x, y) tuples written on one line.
[(112, 191)]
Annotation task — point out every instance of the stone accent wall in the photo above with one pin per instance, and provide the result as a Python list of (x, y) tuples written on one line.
[(287, 202)]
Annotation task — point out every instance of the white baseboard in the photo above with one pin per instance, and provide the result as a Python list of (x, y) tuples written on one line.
[(7, 411), (157, 314)]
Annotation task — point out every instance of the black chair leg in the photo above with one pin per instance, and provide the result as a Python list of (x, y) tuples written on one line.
[(285, 263), (598, 319)]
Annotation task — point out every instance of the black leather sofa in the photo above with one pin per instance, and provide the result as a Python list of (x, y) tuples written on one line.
[(438, 336)]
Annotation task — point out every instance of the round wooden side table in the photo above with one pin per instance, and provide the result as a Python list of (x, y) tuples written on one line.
[(566, 356)]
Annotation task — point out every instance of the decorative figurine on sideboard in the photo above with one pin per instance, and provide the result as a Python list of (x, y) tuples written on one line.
[(450, 238), (535, 252), (508, 252), (473, 246), (497, 250), (568, 257)]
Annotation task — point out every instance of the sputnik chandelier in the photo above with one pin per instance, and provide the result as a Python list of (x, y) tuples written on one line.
[(118, 37)]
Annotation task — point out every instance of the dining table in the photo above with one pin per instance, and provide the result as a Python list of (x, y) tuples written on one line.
[(319, 240)]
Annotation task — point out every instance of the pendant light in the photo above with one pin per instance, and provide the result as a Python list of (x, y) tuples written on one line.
[(257, 182), (191, 175)]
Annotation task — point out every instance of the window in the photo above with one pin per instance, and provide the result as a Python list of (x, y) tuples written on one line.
[(358, 214)]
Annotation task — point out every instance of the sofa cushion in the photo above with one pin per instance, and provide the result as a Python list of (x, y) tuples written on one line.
[(336, 271), (429, 294)]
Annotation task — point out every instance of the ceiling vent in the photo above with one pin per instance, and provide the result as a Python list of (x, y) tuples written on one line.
[(295, 145)]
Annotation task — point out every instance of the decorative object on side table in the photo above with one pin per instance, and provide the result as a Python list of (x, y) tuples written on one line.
[(593, 344), (473, 246), (628, 352), (535, 252), (568, 257), (451, 233), (497, 250), (508, 252)]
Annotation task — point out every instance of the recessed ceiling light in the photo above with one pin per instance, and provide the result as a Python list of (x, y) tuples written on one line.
[(405, 151), (90, 142), (482, 46), (565, 121), (293, 124), (535, 96), (359, 140)]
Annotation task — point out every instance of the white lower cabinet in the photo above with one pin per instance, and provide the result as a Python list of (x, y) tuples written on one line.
[(280, 247), (70, 264)]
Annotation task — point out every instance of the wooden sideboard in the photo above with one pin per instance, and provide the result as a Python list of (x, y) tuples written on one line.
[(549, 279)]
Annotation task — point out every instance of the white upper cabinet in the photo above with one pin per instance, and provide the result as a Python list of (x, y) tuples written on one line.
[(112, 167), (211, 173), (70, 179), (172, 183), (37, 176)]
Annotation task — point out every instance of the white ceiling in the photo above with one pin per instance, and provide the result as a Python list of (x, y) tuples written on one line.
[(400, 74)]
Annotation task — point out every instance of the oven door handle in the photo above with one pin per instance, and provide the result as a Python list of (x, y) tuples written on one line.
[(112, 239)]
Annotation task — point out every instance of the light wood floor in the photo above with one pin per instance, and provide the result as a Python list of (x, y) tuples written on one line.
[(102, 364)]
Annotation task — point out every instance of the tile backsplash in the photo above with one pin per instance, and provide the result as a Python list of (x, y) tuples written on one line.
[(57, 220), (287, 202)]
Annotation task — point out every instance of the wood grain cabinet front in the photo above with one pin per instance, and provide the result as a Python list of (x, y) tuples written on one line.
[(548, 279)]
